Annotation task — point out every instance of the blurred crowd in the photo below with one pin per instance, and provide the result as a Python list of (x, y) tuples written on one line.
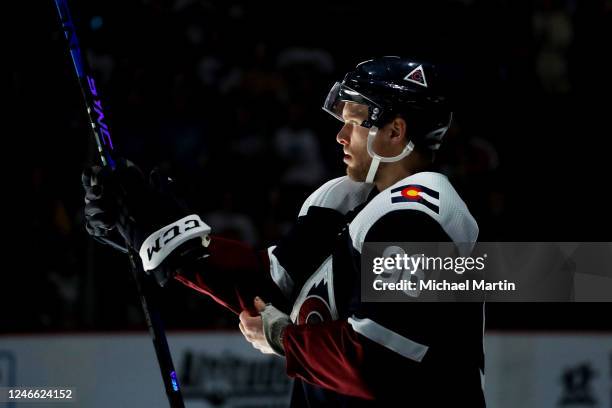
[(226, 97)]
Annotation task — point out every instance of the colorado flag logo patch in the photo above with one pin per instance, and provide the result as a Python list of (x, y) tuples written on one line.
[(417, 193), (417, 76)]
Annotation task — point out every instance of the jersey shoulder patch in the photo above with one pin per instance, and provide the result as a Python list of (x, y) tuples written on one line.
[(341, 194), (428, 192)]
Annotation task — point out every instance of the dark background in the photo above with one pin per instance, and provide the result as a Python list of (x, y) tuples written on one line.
[(227, 97)]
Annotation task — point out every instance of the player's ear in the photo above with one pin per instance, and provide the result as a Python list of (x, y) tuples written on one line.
[(398, 130)]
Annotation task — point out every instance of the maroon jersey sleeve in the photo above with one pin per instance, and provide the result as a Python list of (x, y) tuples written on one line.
[(233, 274), (329, 355)]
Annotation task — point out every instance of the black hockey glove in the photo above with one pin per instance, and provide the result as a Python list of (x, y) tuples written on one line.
[(146, 215)]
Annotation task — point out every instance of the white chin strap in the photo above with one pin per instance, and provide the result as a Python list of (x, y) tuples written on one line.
[(376, 159)]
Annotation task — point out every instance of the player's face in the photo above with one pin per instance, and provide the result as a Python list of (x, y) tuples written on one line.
[(353, 139)]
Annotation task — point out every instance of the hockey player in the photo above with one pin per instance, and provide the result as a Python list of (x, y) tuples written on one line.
[(300, 299)]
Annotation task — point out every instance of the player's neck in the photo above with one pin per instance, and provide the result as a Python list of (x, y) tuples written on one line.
[(389, 176), (391, 173)]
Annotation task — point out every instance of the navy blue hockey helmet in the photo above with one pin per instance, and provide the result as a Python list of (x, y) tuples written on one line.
[(392, 86)]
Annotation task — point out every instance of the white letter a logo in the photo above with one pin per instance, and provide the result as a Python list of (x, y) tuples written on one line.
[(417, 76)]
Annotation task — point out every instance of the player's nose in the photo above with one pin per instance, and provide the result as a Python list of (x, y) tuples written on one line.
[(343, 135)]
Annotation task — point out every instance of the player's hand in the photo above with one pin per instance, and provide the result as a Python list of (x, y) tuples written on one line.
[(265, 331), (252, 329), (124, 200), (101, 211)]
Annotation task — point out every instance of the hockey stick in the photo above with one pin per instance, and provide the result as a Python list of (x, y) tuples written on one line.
[(147, 290)]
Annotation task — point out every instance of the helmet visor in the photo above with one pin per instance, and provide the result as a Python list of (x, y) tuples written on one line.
[(346, 104)]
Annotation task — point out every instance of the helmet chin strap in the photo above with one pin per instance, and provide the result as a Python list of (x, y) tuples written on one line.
[(376, 159)]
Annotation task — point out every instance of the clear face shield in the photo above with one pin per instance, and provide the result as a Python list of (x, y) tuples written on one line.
[(342, 100), (344, 103)]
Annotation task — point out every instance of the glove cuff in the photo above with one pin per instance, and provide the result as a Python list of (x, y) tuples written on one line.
[(160, 244)]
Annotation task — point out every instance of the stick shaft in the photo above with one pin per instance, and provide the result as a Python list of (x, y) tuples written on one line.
[(89, 89), (148, 293)]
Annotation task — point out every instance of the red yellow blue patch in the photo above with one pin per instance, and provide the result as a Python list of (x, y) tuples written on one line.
[(415, 193)]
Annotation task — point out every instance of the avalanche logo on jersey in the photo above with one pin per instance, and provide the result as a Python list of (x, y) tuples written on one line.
[(315, 308), (418, 194), (315, 304)]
